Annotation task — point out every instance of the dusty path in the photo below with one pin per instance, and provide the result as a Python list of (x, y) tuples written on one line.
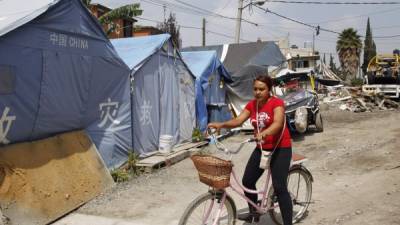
[(355, 163)]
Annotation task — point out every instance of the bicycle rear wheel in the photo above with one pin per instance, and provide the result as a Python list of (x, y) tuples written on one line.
[(300, 189), (203, 210)]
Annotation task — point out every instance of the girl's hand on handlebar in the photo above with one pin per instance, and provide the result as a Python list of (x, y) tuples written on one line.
[(260, 137), (252, 140), (216, 126)]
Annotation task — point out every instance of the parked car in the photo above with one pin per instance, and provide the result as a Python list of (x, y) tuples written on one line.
[(301, 101)]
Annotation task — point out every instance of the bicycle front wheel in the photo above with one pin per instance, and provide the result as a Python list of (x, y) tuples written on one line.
[(300, 189), (204, 209)]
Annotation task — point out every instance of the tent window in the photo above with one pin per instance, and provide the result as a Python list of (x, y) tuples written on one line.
[(7, 79)]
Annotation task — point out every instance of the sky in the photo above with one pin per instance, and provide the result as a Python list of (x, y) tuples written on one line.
[(220, 21)]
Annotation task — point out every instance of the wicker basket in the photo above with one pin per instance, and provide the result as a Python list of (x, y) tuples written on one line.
[(213, 171)]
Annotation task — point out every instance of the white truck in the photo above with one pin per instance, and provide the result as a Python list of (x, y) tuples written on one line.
[(389, 90), (383, 75)]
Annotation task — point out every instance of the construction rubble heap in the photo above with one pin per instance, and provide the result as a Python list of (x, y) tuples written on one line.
[(355, 100)]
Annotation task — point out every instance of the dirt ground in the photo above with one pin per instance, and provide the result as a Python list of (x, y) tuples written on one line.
[(355, 163)]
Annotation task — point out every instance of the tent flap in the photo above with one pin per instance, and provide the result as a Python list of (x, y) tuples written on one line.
[(211, 79)]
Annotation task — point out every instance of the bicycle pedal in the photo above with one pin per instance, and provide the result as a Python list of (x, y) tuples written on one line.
[(274, 198), (256, 219)]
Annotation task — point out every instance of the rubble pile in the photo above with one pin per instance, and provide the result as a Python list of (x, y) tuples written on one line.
[(354, 100)]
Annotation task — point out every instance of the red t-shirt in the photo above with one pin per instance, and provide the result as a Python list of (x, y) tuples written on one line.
[(265, 119)]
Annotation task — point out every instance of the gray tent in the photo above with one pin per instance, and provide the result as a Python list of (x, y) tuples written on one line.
[(163, 92), (244, 62)]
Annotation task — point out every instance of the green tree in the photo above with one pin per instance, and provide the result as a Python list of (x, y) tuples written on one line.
[(369, 48), (123, 12), (171, 26), (332, 65), (349, 47)]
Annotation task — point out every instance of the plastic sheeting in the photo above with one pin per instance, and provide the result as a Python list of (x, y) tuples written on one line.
[(211, 77), (63, 75), (244, 62), (163, 92)]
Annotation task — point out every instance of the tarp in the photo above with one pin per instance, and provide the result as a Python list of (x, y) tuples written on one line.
[(59, 72), (16, 13), (244, 62), (211, 79), (163, 93)]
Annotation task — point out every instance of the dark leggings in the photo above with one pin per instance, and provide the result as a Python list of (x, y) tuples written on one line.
[(280, 163)]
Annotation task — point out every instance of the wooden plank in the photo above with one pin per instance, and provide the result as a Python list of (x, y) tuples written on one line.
[(177, 154), (43, 180), (189, 145)]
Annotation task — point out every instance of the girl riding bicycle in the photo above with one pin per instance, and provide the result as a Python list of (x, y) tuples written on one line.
[(267, 115)]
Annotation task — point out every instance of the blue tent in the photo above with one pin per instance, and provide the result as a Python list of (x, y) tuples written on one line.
[(245, 61), (163, 93), (211, 77), (59, 72)]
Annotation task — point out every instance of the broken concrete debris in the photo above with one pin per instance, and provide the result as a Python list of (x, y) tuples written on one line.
[(355, 100)]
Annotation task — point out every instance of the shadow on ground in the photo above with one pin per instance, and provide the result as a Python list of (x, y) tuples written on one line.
[(264, 219)]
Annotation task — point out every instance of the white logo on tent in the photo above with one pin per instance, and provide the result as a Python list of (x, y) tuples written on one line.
[(108, 112), (145, 110), (63, 40), (5, 125)]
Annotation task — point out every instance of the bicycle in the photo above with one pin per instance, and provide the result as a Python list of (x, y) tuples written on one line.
[(217, 206)]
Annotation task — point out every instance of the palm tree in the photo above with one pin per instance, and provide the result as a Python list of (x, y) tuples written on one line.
[(349, 47), (123, 12)]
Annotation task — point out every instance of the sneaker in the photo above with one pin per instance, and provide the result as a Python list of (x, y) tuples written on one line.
[(250, 217)]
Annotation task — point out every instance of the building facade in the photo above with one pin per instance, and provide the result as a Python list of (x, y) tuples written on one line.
[(123, 27), (300, 59)]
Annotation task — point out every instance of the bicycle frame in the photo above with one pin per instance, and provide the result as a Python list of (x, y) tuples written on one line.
[(240, 190), (264, 206)]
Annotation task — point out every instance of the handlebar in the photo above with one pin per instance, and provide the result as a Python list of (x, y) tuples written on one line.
[(242, 144), (221, 147)]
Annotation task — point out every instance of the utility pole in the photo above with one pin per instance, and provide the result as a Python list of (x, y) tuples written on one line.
[(204, 32), (313, 43), (238, 21), (165, 9)]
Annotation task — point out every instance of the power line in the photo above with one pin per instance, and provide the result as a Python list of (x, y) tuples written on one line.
[(176, 7), (296, 21), (358, 16), (225, 5), (334, 3), (352, 17), (318, 27), (224, 35), (285, 29), (189, 27), (383, 27), (212, 13), (390, 36), (197, 10)]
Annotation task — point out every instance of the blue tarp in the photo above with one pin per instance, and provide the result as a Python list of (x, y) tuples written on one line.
[(163, 93), (59, 72), (134, 51), (211, 76), (245, 61)]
